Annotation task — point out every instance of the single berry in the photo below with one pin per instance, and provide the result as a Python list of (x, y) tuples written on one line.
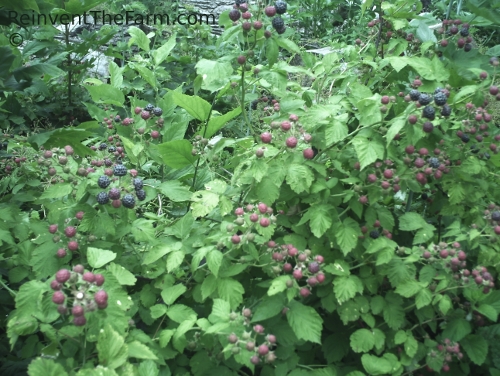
[(102, 198), (304, 292), (78, 269), (429, 113), (103, 182), (263, 349), (235, 239), (428, 127), (73, 246), (119, 170), (266, 137), (412, 119), (79, 215), (77, 311), (308, 153), (414, 95), (128, 201), (63, 275), (70, 231), (101, 297), (446, 110), (53, 229), (313, 267), (58, 297), (280, 6), (424, 99), (262, 208), (270, 11), (255, 360), (374, 234), (297, 274), (278, 23), (141, 195)]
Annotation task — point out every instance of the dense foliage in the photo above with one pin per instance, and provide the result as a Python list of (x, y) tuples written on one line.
[(238, 205)]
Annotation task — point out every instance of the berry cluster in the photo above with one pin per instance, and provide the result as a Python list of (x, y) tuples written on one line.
[(115, 193), (70, 232), (447, 350), (376, 230), (248, 340), (117, 119), (291, 132), (455, 260), (249, 218), (147, 113), (381, 171), (456, 29), (302, 265), (80, 290), (439, 98), (425, 165), (107, 150)]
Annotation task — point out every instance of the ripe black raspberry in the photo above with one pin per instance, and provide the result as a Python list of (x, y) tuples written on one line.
[(280, 6), (440, 98), (157, 111), (149, 107), (128, 201), (111, 149), (374, 234), (102, 198), (464, 32), (446, 110), (119, 170), (465, 138), (414, 95), (495, 216), (108, 162), (114, 193), (103, 182), (429, 113), (141, 194), (424, 99), (438, 90), (103, 146), (278, 23), (138, 184), (434, 162)]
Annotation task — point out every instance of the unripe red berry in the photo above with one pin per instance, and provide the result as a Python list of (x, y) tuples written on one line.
[(266, 137), (63, 275), (305, 292), (262, 208), (77, 311), (58, 297), (297, 274), (291, 142), (241, 59), (308, 153), (235, 239), (99, 279), (73, 246)]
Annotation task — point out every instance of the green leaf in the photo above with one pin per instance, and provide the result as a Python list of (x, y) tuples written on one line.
[(411, 222), (423, 298), (170, 294), (111, 348), (272, 51), (393, 311), (57, 191), (408, 288), (214, 261), (457, 329), (123, 276), (320, 219), (220, 311), (346, 234), (140, 351), (165, 336), (362, 340), (196, 106), (305, 322), (160, 54), (148, 368), (138, 37), (476, 348), (46, 367), (278, 285), (411, 346), (337, 130), (396, 126), (208, 286), (375, 365), (231, 291), (180, 312), (269, 307), (299, 177), (215, 74), (158, 310), (106, 94), (176, 154), (346, 287), (368, 151), (489, 311), (445, 304), (144, 73), (203, 203), (175, 191), (174, 260), (217, 122), (159, 251), (97, 258), (400, 337)]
